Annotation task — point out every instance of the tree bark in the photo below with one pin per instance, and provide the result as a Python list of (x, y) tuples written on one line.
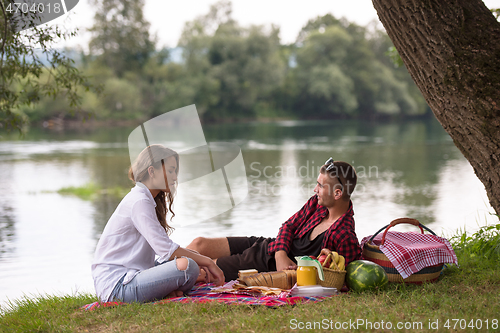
[(452, 50)]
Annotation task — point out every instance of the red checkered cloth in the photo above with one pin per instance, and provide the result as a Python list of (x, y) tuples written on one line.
[(410, 252), (202, 293)]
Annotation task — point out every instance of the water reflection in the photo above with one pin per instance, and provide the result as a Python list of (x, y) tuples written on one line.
[(404, 169), (7, 223), (6, 229)]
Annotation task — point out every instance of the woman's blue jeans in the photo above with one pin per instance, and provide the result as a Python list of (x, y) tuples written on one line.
[(156, 283)]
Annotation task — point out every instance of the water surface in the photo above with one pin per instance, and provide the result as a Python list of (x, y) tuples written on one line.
[(47, 239)]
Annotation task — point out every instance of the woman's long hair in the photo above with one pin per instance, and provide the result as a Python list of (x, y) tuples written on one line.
[(155, 155)]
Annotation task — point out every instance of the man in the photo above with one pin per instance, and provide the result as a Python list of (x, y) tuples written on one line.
[(325, 221)]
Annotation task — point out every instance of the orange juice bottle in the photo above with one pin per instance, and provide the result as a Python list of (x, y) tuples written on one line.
[(306, 271)]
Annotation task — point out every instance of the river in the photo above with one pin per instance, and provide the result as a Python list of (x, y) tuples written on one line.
[(47, 239)]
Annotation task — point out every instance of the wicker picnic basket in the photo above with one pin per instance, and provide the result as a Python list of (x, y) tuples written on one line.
[(373, 253), (333, 278)]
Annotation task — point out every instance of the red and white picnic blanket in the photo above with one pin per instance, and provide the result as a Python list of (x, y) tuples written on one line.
[(203, 293), (410, 252)]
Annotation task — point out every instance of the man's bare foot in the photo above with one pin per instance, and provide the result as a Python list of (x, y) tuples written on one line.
[(175, 293), (205, 276), (202, 277)]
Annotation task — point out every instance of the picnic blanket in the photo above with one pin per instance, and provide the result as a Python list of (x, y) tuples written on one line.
[(202, 293), (410, 252)]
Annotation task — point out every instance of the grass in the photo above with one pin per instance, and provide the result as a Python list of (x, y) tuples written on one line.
[(485, 242), (469, 294), (91, 191)]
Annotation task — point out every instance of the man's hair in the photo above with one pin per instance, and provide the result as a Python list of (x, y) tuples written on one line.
[(346, 173)]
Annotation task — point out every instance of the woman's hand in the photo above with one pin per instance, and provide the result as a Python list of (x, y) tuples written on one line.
[(206, 276), (214, 272), (206, 264)]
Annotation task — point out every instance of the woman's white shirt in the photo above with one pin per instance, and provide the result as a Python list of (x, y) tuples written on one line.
[(129, 242)]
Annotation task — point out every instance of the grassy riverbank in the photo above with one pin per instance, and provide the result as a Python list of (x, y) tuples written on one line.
[(91, 191), (463, 299)]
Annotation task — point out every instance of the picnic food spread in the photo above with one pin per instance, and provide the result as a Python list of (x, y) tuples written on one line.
[(330, 271)]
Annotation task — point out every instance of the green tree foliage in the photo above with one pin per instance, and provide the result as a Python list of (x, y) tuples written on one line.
[(342, 70), (121, 38), (325, 85), (496, 12), (334, 69), (121, 49), (30, 69), (241, 67)]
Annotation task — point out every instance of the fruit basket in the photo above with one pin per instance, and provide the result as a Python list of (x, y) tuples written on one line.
[(333, 270), (372, 252), (333, 278)]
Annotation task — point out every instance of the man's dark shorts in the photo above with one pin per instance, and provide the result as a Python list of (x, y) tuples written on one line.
[(247, 253)]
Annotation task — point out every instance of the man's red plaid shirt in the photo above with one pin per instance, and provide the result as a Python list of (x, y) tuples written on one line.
[(340, 237)]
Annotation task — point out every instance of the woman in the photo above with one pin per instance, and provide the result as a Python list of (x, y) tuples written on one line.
[(124, 267)]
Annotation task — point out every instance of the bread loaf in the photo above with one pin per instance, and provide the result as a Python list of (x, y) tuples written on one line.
[(282, 279), (246, 272)]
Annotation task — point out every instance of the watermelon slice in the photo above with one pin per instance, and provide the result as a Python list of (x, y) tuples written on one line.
[(365, 275)]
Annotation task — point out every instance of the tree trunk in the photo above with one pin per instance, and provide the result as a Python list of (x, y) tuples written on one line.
[(452, 50)]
